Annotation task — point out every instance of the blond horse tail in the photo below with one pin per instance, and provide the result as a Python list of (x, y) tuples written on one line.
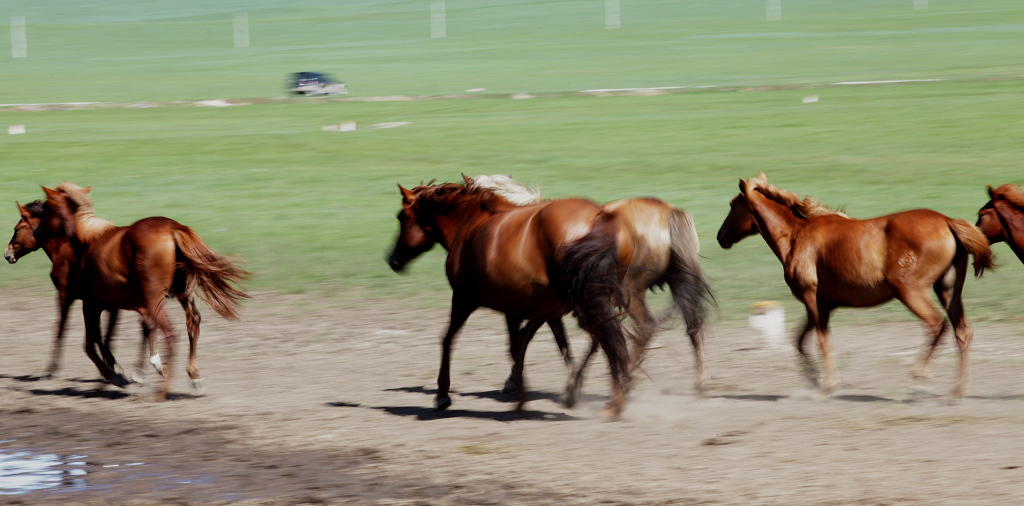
[(690, 290), (975, 242), (215, 275)]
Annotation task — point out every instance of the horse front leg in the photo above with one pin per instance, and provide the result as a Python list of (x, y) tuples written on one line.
[(94, 340), (459, 314), (63, 305)]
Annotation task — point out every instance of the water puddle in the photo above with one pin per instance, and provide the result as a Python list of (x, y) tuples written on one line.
[(23, 471)]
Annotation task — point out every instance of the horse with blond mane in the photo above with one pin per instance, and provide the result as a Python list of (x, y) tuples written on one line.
[(64, 261), (532, 263), (137, 268), (832, 261), (666, 253)]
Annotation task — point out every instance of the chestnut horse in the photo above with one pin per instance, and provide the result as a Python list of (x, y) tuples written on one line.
[(136, 268), (532, 263), (666, 252), (832, 261), (1002, 218), (63, 260)]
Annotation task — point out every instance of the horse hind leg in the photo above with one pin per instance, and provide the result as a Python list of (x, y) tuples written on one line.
[(944, 290), (919, 302), (64, 306), (962, 326), (192, 320), (160, 318)]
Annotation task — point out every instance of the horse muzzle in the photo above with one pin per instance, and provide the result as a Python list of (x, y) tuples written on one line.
[(10, 256), (395, 264)]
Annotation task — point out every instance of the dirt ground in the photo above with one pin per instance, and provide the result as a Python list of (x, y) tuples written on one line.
[(309, 403)]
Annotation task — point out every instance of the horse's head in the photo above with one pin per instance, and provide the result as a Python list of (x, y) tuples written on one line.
[(24, 241), (418, 228), (740, 223), (988, 216)]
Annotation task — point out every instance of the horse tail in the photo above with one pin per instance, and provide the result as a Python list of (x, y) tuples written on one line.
[(591, 287), (684, 276), (975, 243), (211, 272)]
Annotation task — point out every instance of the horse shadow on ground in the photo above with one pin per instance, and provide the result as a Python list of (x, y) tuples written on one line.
[(426, 413), (844, 397), (25, 378), (88, 394)]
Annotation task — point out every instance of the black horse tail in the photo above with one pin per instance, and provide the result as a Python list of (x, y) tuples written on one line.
[(684, 276), (591, 287)]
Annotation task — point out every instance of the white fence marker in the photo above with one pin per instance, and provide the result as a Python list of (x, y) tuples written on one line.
[(241, 29), (19, 42), (15, 129), (920, 5), (438, 28), (612, 20), (773, 9)]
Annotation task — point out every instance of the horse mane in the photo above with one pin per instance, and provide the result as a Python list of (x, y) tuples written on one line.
[(512, 190), (1012, 193), (35, 208), (447, 195), (88, 226), (803, 208)]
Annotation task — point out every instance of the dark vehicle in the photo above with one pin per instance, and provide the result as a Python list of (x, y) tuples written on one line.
[(315, 83)]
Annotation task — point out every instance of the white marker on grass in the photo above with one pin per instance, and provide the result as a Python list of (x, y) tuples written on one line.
[(19, 42), (438, 29), (920, 5), (241, 29), (773, 10), (15, 129), (612, 20)]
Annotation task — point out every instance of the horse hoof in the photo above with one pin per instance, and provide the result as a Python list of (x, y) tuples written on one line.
[(611, 414), (510, 387), (442, 403), (119, 381), (568, 400), (199, 385), (138, 378)]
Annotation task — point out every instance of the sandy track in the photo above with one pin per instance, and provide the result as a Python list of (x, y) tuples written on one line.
[(315, 404)]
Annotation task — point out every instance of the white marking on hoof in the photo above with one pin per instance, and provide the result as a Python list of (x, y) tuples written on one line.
[(199, 385), (155, 361)]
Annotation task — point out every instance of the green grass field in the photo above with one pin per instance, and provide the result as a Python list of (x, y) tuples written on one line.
[(313, 211)]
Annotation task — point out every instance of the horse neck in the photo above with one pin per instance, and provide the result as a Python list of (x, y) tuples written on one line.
[(463, 217), (58, 249), (777, 223)]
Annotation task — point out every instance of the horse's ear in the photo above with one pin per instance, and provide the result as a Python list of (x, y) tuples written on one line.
[(406, 194), (991, 192), (49, 193), (22, 211), (762, 177), (86, 189), (468, 180), (743, 187)]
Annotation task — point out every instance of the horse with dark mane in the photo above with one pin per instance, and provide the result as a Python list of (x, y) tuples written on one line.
[(63, 259), (666, 253), (137, 268), (1002, 217), (532, 263), (831, 261)]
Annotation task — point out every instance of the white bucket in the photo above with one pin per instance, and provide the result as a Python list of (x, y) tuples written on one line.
[(769, 319)]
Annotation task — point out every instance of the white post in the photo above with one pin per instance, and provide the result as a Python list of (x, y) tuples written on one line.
[(612, 20), (19, 41), (438, 29), (241, 29), (920, 5), (773, 10)]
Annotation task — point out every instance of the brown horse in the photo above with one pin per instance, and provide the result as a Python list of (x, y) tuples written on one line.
[(1002, 218), (666, 252), (833, 261), (63, 260), (532, 263), (136, 268)]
